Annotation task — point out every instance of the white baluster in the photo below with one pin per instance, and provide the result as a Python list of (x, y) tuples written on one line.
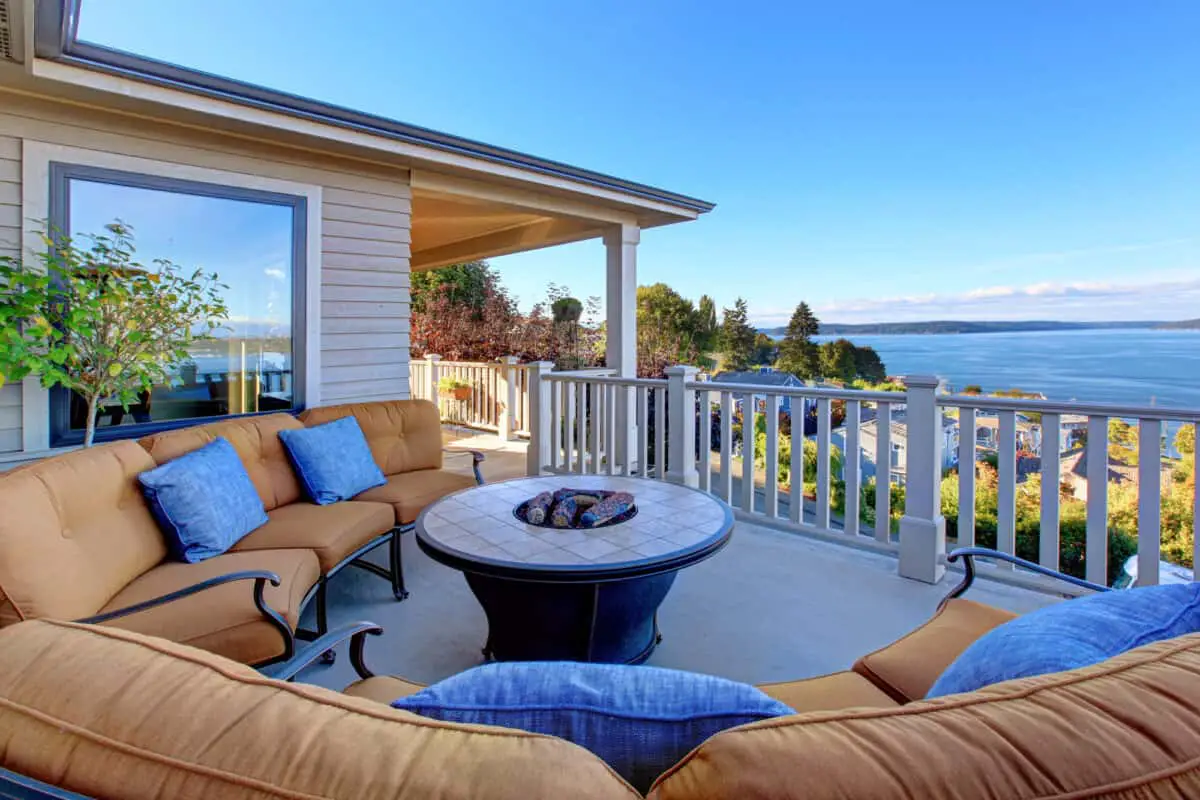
[(610, 424), (883, 472), (1096, 547), (643, 431), (556, 431), (568, 392), (1048, 525), (725, 487), (748, 415), (660, 432), (966, 477), (704, 454), (851, 472), (1149, 500), (823, 450), (581, 413), (595, 413), (796, 477), (771, 456), (1006, 485)]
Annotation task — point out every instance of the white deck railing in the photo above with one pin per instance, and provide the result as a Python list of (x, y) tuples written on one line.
[(499, 397), (594, 422)]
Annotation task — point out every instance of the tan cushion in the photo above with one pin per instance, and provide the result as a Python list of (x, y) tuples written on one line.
[(1126, 728), (332, 532), (410, 492), (829, 693), (404, 435), (256, 440), (110, 714), (383, 688), (73, 532), (908, 667), (223, 619)]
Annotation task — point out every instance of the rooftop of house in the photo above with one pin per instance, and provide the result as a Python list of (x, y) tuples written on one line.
[(758, 377)]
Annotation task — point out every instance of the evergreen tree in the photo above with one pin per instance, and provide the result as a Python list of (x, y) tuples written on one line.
[(707, 329), (737, 336), (798, 352), (868, 365)]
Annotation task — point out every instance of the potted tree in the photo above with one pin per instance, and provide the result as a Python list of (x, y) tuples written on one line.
[(450, 386), (93, 319)]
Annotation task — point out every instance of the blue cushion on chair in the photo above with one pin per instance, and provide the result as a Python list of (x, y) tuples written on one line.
[(204, 501), (333, 460), (1073, 634), (641, 720)]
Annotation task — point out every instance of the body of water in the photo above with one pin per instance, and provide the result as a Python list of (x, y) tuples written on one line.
[(1135, 367)]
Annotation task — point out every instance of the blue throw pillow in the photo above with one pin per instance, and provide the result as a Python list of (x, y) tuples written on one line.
[(333, 460), (641, 720), (1073, 634), (204, 501)]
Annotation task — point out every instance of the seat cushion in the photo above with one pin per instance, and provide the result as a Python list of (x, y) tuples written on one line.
[(383, 688), (110, 714), (1073, 634), (203, 501), (640, 720), (404, 435), (1119, 730), (256, 440), (834, 692), (907, 668), (74, 530), (332, 532), (223, 619), (333, 460), (409, 492)]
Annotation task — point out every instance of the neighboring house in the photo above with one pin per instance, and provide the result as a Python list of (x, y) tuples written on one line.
[(1029, 433), (314, 215), (1073, 470), (767, 378), (898, 445)]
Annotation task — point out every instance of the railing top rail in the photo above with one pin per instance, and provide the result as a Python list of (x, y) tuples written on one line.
[(460, 363), (793, 391), (591, 377), (1071, 407)]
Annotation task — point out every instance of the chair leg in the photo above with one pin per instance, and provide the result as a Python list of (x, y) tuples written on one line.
[(329, 656), (397, 567)]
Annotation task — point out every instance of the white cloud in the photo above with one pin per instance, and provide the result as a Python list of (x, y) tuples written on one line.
[(275, 272)]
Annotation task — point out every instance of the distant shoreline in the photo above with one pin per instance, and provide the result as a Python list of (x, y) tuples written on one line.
[(964, 326)]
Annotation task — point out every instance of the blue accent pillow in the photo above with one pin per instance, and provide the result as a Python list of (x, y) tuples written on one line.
[(204, 501), (1073, 634), (333, 460), (641, 720)]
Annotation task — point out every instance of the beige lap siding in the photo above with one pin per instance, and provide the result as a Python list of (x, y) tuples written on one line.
[(364, 246), (10, 245)]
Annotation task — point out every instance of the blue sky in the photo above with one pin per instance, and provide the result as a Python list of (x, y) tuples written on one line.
[(881, 160)]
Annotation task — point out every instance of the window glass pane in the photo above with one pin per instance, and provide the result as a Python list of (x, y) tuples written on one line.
[(249, 366)]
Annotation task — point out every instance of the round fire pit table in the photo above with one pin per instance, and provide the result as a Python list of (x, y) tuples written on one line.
[(580, 594)]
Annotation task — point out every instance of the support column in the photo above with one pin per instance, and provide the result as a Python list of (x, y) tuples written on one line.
[(922, 528), (620, 305), (508, 405)]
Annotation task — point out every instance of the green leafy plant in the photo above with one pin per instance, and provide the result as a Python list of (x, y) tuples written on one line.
[(447, 384), (93, 319)]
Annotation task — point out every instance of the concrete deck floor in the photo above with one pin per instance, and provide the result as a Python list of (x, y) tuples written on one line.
[(771, 606)]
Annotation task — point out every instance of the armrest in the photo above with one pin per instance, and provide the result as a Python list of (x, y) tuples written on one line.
[(260, 578), (969, 554), (476, 459), (356, 632)]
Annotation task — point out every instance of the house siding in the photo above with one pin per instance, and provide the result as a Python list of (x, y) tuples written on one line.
[(365, 237), (10, 245)]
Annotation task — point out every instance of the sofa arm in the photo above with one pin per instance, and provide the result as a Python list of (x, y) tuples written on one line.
[(356, 632), (969, 554), (476, 459), (260, 578)]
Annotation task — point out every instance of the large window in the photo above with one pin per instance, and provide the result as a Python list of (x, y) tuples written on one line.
[(253, 240)]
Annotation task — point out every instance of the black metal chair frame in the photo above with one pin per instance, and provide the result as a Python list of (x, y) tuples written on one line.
[(969, 554), (14, 786)]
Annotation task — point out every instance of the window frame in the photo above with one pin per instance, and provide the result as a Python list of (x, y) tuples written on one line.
[(62, 172)]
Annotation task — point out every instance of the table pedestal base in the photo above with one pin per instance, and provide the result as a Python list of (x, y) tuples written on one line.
[(612, 622)]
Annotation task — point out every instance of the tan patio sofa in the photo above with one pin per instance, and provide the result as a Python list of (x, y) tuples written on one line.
[(197, 725), (77, 541)]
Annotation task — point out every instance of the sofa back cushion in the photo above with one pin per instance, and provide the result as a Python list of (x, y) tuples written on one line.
[(404, 435), (1125, 728), (74, 531), (256, 440), (196, 725)]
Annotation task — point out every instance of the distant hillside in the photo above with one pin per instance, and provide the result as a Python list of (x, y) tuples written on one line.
[(1181, 325), (963, 326)]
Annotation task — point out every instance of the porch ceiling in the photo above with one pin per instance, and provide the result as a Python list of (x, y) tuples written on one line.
[(448, 228)]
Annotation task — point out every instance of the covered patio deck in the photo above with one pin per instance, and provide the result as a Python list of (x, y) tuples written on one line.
[(771, 606)]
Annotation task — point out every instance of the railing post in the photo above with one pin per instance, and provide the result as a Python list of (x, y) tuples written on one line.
[(538, 455), (681, 426), (922, 528), (431, 377), (508, 406)]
